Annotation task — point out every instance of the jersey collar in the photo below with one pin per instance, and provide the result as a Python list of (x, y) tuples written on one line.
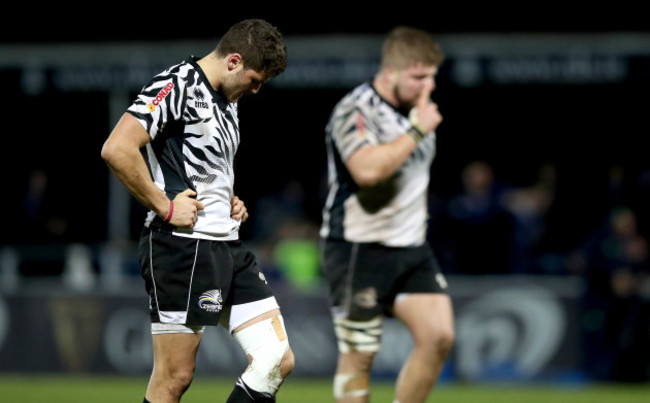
[(217, 96)]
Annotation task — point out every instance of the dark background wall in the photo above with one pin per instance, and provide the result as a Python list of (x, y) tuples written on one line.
[(582, 110)]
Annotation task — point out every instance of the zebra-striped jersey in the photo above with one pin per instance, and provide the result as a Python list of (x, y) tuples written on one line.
[(393, 213), (194, 137)]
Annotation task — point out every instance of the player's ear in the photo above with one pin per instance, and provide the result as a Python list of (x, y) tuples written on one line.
[(234, 60), (392, 73)]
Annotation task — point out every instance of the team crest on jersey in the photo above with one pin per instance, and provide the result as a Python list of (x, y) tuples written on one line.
[(211, 301)]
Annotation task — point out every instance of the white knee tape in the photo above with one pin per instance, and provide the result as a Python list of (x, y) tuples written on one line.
[(265, 343), (358, 336), (351, 385)]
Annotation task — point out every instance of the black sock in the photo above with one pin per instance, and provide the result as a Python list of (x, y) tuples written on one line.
[(243, 394), (145, 400)]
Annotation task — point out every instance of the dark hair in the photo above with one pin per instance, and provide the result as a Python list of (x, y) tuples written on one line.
[(259, 43)]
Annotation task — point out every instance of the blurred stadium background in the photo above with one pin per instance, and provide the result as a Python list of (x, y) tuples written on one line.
[(538, 200)]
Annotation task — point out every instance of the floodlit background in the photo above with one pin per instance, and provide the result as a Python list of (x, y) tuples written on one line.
[(538, 199)]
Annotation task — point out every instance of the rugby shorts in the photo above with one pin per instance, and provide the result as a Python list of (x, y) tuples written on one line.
[(365, 278), (189, 281)]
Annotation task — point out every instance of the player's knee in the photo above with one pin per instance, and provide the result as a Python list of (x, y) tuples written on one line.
[(358, 361), (444, 342), (438, 343), (179, 379), (271, 359), (358, 343)]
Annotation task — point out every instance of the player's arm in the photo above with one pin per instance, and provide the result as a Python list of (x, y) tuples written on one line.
[(121, 152), (372, 164)]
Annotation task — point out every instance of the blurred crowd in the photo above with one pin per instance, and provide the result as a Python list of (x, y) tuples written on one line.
[(490, 227)]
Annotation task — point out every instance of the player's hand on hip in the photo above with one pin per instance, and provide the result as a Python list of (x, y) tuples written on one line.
[(238, 210), (425, 115), (186, 209)]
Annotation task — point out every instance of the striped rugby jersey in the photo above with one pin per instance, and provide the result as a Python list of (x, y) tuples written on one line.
[(194, 137), (393, 213)]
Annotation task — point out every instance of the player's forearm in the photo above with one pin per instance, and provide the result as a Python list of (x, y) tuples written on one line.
[(130, 169), (373, 164)]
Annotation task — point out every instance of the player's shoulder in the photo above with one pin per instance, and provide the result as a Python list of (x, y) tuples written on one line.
[(361, 92), (354, 98), (182, 71)]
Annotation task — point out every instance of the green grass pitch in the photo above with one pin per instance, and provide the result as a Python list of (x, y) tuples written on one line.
[(105, 389)]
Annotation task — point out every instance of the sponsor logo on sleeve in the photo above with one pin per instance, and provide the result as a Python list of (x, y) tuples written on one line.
[(161, 95)]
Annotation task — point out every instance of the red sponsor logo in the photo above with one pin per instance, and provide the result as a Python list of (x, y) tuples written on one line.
[(161, 95), (361, 126)]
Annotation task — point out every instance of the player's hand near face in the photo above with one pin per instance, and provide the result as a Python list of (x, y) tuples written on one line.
[(425, 115), (238, 210), (186, 209)]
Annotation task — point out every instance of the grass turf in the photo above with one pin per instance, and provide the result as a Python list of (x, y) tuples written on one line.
[(105, 389)]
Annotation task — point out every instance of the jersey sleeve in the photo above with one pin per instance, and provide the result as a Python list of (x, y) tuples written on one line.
[(352, 129), (159, 102)]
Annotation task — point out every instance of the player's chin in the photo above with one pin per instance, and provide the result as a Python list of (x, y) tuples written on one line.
[(408, 103)]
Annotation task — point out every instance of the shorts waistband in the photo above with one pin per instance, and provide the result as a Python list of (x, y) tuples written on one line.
[(158, 224)]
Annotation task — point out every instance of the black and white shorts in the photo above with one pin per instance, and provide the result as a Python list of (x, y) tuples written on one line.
[(194, 282), (366, 278)]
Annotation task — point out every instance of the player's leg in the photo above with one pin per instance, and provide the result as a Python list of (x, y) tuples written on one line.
[(184, 286), (170, 266), (253, 317), (264, 340), (174, 362), (355, 290), (429, 318), (358, 343)]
